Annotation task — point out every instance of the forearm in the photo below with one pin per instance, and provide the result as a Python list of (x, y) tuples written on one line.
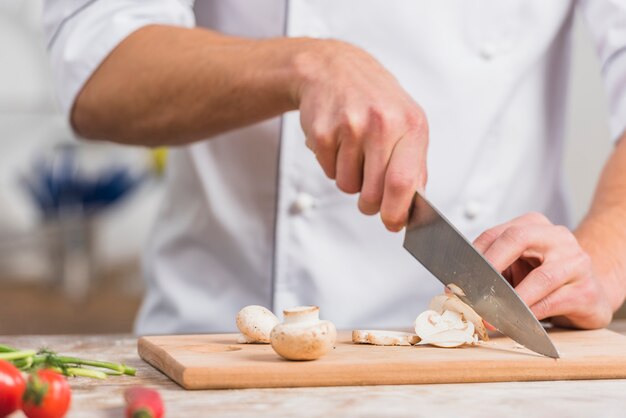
[(602, 233), (166, 85)]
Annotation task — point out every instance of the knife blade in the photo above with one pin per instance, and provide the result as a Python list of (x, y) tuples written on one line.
[(452, 259)]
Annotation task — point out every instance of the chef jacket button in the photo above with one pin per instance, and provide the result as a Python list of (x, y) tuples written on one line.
[(488, 50), (472, 209), (302, 203)]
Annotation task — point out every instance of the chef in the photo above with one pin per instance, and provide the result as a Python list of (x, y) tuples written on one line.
[(293, 122)]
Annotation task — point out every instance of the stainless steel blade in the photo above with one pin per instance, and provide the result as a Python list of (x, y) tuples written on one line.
[(452, 259)]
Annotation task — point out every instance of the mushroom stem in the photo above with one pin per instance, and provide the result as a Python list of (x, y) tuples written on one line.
[(301, 315)]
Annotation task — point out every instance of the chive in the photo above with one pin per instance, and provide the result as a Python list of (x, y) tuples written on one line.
[(16, 355)]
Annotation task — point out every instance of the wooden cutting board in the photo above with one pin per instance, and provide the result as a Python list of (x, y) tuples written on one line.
[(218, 362)]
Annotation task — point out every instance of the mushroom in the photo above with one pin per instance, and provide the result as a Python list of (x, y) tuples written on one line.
[(377, 337), (302, 335), (452, 288), (444, 330), (255, 323), (443, 303)]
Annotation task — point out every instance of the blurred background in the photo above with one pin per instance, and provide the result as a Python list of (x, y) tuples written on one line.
[(74, 215)]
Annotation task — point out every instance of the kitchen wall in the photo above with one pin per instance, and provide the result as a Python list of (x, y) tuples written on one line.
[(31, 125)]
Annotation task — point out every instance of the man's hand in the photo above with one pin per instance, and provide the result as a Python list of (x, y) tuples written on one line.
[(366, 132), (549, 270)]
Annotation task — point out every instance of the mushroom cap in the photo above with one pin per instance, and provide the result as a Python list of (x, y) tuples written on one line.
[(242, 339), (451, 302), (303, 341), (381, 337), (256, 323)]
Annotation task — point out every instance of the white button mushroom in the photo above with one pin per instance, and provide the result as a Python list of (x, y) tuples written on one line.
[(303, 336), (445, 330), (255, 323), (378, 337), (443, 303)]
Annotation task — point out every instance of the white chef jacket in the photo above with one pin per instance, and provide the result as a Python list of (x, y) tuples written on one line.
[(249, 217)]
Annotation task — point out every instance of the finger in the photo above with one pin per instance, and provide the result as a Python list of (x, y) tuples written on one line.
[(321, 139), (487, 238), (529, 240), (406, 170), (349, 165), (519, 270), (324, 146), (375, 165), (556, 303), (581, 304), (549, 277)]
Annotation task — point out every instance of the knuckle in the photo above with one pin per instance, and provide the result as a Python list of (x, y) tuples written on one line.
[(537, 217), (321, 137), (417, 119), (352, 125), (566, 234), (542, 308), (398, 182), (486, 237), (377, 117), (548, 278), (516, 235), (424, 176)]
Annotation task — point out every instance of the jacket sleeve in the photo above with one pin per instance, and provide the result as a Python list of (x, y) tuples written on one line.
[(606, 20), (81, 33)]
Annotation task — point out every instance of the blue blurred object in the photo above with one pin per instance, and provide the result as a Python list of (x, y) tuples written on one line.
[(58, 183)]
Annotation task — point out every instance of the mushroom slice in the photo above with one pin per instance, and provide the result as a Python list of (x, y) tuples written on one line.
[(378, 337), (454, 289), (255, 323), (445, 330), (303, 336), (443, 303)]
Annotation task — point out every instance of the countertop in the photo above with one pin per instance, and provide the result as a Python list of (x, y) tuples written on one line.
[(94, 398)]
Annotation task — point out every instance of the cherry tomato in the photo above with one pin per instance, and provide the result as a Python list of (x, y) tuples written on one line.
[(12, 387), (143, 402), (47, 395)]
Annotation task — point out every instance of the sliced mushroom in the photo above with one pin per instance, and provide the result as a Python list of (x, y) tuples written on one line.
[(378, 337), (443, 303), (255, 323), (302, 335), (444, 330), (452, 288)]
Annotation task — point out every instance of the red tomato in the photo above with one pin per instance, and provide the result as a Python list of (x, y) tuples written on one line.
[(47, 395), (12, 387), (143, 402)]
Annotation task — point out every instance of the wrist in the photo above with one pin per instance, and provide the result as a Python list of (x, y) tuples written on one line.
[(310, 62), (597, 236)]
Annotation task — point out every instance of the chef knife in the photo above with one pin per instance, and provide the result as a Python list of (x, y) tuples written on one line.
[(452, 259)]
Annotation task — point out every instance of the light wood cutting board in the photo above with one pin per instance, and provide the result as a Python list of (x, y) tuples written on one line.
[(218, 362)]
